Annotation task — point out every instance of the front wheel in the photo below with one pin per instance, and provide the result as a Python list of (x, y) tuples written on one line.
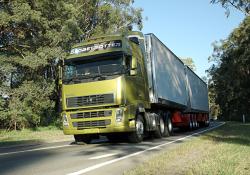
[(138, 134)]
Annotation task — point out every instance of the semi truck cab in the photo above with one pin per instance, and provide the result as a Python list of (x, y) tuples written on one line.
[(104, 85)]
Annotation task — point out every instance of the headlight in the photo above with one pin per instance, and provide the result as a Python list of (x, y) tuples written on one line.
[(119, 115), (65, 120)]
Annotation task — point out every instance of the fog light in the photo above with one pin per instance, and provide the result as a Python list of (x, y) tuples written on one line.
[(65, 120), (119, 115)]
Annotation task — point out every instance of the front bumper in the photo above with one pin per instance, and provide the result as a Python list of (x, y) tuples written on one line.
[(97, 122)]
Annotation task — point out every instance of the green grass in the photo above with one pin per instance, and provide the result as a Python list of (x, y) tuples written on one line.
[(37, 135), (224, 151)]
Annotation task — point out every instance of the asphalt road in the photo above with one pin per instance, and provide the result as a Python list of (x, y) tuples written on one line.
[(99, 158)]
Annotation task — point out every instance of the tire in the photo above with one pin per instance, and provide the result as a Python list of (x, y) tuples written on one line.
[(194, 123), (160, 129), (168, 125), (138, 135), (82, 138), (190, 127)]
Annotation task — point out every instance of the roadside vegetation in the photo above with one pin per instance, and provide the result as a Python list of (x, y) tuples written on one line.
[(34, 37), (37, 135), (222, 151), (229, 74)]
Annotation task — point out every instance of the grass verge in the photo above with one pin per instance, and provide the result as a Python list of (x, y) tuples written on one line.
[(40, 134), (223, 151)]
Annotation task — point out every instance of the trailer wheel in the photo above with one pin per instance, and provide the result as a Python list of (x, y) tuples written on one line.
[(194, 122), (190, 127), (138, 134), (82, 138)]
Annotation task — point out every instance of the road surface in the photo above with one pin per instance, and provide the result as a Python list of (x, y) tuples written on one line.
[(101, 157)]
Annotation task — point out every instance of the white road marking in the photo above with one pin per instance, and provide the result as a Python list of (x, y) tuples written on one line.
[(102, 156), (91, 168), (36, 149)]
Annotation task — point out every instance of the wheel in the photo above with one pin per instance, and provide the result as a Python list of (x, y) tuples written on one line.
[(193, 123), (160, 129), (82, 138), (168, 125), (190, 127), (138, 134)]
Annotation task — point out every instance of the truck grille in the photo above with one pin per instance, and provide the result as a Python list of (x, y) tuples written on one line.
[(91, 114), (87, 124), (90, 100)]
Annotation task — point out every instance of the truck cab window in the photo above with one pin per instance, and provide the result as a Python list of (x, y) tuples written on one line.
[(93, 69)]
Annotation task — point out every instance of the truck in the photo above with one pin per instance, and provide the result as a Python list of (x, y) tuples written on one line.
[(129, 85)]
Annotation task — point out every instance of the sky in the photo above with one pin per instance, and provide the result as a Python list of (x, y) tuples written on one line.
[(189, 27)]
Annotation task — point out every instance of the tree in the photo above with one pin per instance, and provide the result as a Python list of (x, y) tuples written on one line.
[(231, 75), (242, 5), (189, 62), (34, 36)]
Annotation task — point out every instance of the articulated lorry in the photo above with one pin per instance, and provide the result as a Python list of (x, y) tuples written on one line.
[(129, 85)]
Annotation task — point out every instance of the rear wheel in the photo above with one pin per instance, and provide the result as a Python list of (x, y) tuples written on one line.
[(190, 127), (168, 125), (138, 134), (194, 122), (160, 129)]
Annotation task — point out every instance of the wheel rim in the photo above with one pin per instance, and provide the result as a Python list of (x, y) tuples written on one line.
[(162, 126), (139, 127), (170, 127)]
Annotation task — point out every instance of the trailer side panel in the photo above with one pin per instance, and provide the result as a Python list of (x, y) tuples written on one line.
[(166, 74), (198, 93)]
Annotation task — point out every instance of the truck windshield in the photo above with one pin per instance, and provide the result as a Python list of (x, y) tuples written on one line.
[(93, 70)]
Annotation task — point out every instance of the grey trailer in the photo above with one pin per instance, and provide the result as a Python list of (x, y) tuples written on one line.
[(166, 75), (197, 91)]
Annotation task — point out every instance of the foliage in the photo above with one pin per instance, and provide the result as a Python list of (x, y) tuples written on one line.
[(34, 36), (189, 62), (230, 76), (242, 5)]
